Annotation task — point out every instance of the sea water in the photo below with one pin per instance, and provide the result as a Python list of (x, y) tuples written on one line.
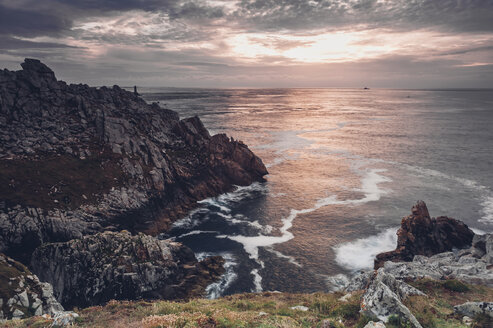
[(345, 165)]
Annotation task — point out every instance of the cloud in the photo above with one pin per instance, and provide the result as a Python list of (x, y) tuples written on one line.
[(459, 16), (28, 23), (238, 42), (7, 42)]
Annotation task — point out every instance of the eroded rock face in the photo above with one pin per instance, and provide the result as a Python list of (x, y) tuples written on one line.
[(76, 160), (22, 294), (97, 268), (420, 234)]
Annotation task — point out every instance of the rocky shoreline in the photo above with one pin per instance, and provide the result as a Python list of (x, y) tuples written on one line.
[(78, 165), (441, 249)]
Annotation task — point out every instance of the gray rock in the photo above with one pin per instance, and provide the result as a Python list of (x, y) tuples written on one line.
[(64, 318), (472, 309), (372, 324), (27, 298), (22, 297), (384, 296), (17, 314), (360, 281)]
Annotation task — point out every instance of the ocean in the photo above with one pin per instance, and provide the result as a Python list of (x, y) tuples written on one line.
[(345, 165)]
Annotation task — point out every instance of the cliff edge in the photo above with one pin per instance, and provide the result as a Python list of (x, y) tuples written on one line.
[(77, 160)]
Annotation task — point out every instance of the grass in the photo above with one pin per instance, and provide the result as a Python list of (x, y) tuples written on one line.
[(269, 310)]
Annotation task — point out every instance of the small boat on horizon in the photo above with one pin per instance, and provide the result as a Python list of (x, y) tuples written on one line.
[(366, 88)]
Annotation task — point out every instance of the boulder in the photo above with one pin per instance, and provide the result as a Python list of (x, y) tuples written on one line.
[(471, 309), (116, 265), (384, 297), (372, 324), (420, 234)]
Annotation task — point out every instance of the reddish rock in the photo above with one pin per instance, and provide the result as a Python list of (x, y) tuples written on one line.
[(421, 234)]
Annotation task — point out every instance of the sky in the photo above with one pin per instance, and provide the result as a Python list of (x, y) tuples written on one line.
[(254, 43)]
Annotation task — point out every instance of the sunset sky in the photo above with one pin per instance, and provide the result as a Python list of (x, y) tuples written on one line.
[(255, 43)]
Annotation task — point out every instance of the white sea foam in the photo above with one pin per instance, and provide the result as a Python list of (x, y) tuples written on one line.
[(369, 186), (195, 232), (290, 259), (478, 231), (222, 205), (216, 289), (487, 204), (360, 253)]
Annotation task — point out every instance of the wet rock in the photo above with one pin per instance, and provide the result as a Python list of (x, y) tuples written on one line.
[(471, 309), (384, 297), (420, 234), (97, 268)]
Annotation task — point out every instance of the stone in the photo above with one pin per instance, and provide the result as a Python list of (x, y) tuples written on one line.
[(472, 309), (299, 308), (467, 320), (17, 314), (372, 324), (26, 287), (420, 234), (64, 318), (327, 324)]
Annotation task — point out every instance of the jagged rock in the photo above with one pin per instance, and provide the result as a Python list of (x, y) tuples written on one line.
[(420, 234), (471, 309), (21, 292), (359, 282), (76, 160), (98, 268), (384, 297)]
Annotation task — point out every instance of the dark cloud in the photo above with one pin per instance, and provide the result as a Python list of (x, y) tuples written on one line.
[(468, 50), (463, 16), (23, 22)]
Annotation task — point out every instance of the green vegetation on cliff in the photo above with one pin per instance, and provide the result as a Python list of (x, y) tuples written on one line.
[(280, 310)]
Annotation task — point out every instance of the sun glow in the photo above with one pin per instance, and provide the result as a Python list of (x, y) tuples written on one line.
[(323, 47)]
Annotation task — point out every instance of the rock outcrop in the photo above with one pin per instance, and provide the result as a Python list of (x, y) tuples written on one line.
[(98, 268), (77, 160), (384, 297), (22, 294), (473, 265), (420, 234), (472, 309)]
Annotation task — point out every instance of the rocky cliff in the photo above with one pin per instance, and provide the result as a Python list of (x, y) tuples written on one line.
[(421, 234), (77, 160), (98, 268)]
